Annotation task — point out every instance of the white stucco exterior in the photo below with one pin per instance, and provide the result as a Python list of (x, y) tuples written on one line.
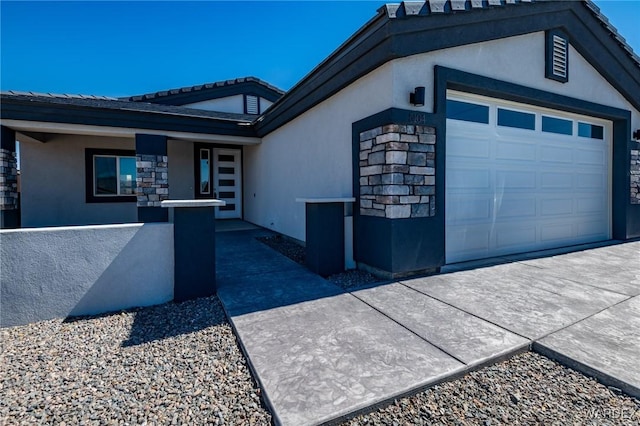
[(53, 183), (233, 104), (504, 60), (67, 271), (264, 104), (226, 104), (309, 157)]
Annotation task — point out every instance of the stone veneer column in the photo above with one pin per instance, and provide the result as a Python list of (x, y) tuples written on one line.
[(397, 171), (152, 184), (9, 213), (635, 176)]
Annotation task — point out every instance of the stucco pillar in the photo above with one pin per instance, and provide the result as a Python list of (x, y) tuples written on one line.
[(9, 212), (194, 242), (152, 184)]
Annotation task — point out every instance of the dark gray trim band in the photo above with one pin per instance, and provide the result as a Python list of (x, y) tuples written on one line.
[(247, 88), (72, 114), (7, 138), (151, 144), (382, 40)]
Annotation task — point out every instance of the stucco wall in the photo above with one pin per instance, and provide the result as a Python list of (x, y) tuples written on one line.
[(53, 183), (310, 156), (228, 104), (264, 104), (519, 60), (67, 271)]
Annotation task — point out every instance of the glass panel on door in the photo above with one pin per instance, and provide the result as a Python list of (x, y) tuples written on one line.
[(227, 176), (205, 173)]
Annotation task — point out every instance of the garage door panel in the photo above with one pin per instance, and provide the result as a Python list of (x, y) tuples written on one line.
[(556, 207), (468, 209), (470, 238), (470, 147), (594, 157), (516, 208), (591, 181), (592, 229), (515, 236), (558, 232), (555, 180), (468, 178), (510, 190), (512, 179), (591, 205), (555, 154), (516, 151)]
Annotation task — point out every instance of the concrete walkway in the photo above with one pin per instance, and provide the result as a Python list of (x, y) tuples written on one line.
[(320, 353)]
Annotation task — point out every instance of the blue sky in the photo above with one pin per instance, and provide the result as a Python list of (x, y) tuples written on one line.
[(125, 48)]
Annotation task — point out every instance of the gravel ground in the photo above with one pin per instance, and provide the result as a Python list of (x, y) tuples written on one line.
[(353, 278), (285, 246), (527, 389), (294, 251), (181, 364), (170, 364)]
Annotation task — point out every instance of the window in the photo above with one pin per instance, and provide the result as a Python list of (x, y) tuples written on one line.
[(517, 119), (465, 111), (557, 125), (205, 171), (110, 176), (592, 131), (557, 56)]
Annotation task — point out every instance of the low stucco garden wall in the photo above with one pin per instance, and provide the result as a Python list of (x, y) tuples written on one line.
[(68, 271)]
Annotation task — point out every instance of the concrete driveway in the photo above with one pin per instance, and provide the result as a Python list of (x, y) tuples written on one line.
[(320, 353)]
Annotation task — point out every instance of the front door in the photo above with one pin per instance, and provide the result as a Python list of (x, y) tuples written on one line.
[(219, 175)]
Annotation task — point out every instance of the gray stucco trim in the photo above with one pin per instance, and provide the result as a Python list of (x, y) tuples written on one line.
[(383, 39)]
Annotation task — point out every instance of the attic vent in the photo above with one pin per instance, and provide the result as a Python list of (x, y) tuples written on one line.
[(251, 104), (557, 61), (559, 57)]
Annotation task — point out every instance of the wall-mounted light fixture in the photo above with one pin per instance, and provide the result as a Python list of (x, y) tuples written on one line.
[(416, 98), (636, 134)]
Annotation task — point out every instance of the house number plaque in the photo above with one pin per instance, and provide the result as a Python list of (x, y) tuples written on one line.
[(417, 118)]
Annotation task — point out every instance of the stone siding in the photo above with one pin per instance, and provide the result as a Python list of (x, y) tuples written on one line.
[(397, 171), (635, 176), (152, 184), (8, 180)]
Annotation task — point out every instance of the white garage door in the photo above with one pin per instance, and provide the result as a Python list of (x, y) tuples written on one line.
[(521, 178)]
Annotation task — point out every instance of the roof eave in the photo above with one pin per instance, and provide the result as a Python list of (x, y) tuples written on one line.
[(39, 111)]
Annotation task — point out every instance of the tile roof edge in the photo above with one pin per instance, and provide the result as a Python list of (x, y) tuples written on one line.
[(407, 9), (203, 86)]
